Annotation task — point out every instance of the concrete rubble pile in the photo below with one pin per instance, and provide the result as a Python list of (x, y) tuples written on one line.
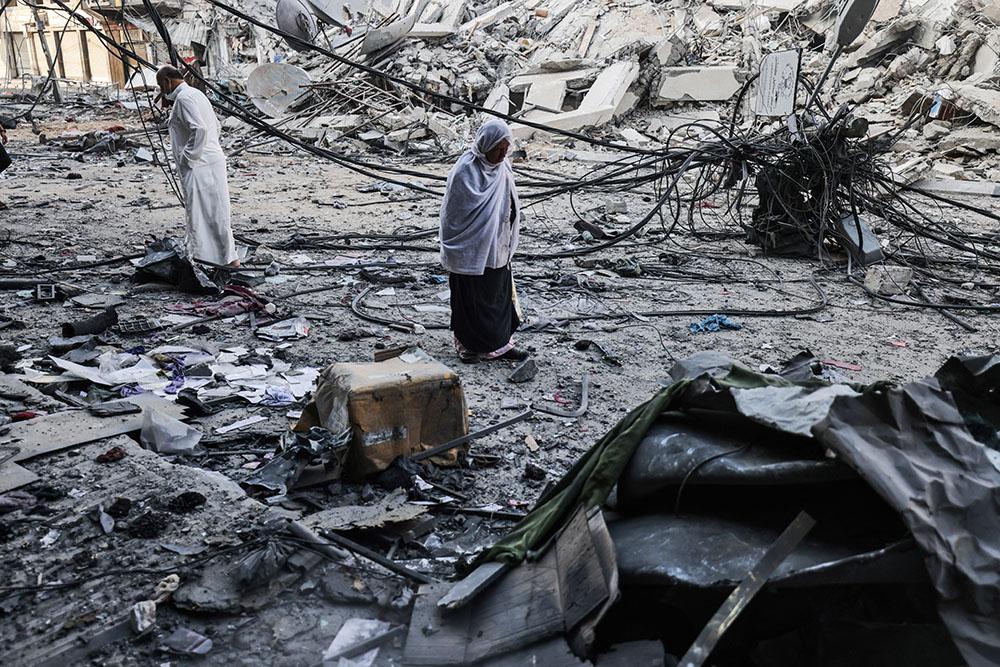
[(636, 71)]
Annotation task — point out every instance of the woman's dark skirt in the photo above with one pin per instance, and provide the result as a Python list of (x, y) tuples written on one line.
[(483, 316)]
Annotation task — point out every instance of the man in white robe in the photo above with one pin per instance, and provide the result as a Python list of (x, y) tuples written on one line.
[(201, 166)]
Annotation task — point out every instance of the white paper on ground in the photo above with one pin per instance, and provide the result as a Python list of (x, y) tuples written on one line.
[(166, 435)]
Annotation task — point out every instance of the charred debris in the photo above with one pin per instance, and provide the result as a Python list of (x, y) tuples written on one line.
[(189, 489)]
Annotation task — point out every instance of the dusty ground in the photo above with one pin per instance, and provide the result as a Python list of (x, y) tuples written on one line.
[(114, 208)]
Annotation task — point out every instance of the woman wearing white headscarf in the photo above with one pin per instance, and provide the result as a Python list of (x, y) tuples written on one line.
[(480, 218)]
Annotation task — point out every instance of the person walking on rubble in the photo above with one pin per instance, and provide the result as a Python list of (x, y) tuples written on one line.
[(480, 219), (201, 165)]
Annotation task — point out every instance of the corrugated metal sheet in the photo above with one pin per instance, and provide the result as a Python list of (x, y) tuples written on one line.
[(183, 31)]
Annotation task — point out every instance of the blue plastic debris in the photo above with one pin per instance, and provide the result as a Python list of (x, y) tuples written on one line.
[(713, 323)]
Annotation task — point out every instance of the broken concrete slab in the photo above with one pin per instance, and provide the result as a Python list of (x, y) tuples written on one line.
[(601, 103), (888, 280), (936, 129), (696, 84), (886, 10), (668, 52), (707, 22), (987, 58), (984, 103), (449, 16), (764, 6), (548, 97), (571, 78), (956, 187), (61, 430)]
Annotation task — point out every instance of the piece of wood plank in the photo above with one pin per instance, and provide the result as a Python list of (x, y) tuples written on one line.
[(477, 581), (434, 639), (582, 585), (518, 607)]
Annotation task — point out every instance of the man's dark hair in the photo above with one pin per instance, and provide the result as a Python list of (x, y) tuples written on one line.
[(169, 72)]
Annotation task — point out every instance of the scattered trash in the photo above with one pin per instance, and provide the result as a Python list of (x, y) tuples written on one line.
[(142, 616), (167, 261), (94, 325), (714, 323), (240, 424), (292, 329), (166, 435), (183, 641)]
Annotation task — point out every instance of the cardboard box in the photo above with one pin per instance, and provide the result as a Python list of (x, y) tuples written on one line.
[(396, 407)]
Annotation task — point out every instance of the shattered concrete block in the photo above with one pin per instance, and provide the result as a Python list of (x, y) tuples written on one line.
[(866, 77), (974, 139), (498, 99), (886, 10), (987, 58), (342, 122), (936, 129), (668, 52), (947, 170), (767, 6), (524, 82), (991, 10), (486, 19), (946, 45), (406, 134), (634, 138), (606, 98), (439, 21), (873, 48), (888, 280), (611, 85), (707, 22), (698, 84), (982, 102), (548, 96), (910, 170)]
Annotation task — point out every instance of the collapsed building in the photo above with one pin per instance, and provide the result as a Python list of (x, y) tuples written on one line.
[(186, 496)]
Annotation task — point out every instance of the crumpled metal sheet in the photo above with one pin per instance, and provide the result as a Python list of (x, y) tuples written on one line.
[(705, 551), (789, 409), (715, 364), (912, 446), (676, 445)]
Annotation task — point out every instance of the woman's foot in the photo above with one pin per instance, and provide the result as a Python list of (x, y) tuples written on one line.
[(468, 357), (513, 354)]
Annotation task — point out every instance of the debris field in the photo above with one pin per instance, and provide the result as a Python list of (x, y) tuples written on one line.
[(758, 263)]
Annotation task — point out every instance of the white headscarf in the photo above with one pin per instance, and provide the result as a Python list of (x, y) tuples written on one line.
[(476, 231)]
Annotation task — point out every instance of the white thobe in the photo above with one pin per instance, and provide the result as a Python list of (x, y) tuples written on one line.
[(201, 165)]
